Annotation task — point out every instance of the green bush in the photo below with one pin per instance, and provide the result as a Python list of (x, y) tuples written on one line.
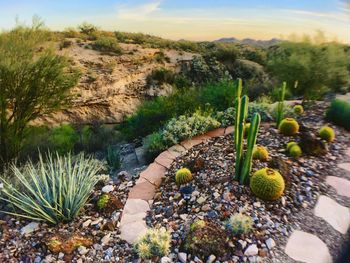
[(107, 45), (54, 191), (339, 113), (154, 144), (63, 138), (160, 76), (154, 243)]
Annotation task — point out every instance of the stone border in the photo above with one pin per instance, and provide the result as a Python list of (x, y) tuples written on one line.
[(132, 223)]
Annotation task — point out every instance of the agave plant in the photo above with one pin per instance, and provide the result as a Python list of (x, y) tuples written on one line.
[(55, 190)]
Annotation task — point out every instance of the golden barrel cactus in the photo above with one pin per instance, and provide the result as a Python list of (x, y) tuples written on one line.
[(183, 176), (261, 153), (298, 109), (288, 127), (267, 184), (327, 133)]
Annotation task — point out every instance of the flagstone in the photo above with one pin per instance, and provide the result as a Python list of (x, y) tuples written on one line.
[(341, 185), (216, 133), (154, 174), (133, 231), (144, 191), (345, 166), (229, 130), (134, 206)]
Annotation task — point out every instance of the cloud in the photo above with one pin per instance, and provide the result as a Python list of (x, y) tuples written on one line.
[(138, 12), (332, 15)]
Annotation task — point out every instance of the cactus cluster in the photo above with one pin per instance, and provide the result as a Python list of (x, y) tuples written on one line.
[(183, 176), (239, 224), (294, 150), (154, 243), (280, 104), (102, 201), (267, 184), (261, 153), (244, 162), (288, 127), (327, 133), (298, 109)]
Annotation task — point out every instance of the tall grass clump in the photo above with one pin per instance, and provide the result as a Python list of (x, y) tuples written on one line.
[(107, 45), (339, 113), (55, 190)]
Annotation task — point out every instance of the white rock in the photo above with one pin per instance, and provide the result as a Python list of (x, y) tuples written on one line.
[(87, 223), (60, 255), (82, 250), (183, 216), (211, 259), (216, 195), (31, 227), (252, 250), (182, 257), (195, 193), (107, 188), (105, 240), (243, 243), (201, 200), (165, 260), (270, 243)]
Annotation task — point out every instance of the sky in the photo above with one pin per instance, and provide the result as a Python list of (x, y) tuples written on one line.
[(190, 19)]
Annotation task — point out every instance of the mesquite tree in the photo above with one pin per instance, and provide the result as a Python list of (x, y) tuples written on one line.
[(33, 81)]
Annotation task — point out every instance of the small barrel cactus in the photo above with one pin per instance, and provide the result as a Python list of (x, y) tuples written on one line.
[(289, 127), (183, 176), (102, 201), (295, 151), (246, 129), (239, 224), (267, 184), (290, 145), (327, 133), (261, 153), (298, 109)]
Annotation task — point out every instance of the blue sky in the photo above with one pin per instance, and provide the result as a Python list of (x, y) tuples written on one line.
[(194, 20)]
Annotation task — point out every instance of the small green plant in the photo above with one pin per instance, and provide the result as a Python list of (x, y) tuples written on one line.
[(154, 145), (54, 191), (113, 158), (290, 145), (197, 224), (239, 224), (339, 113), (183, 176), (244, 162), (288, 127), (295, 151), (63, 138), (280, 104), (298, 109), (154, 243), (107, 45), (261, 153), (267, 184), (102, 201), (327, 133)]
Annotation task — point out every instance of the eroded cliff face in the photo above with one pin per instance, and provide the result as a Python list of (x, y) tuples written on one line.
[(111, 87)]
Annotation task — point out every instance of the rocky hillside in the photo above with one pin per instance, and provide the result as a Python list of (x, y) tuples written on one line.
[(112, 86)]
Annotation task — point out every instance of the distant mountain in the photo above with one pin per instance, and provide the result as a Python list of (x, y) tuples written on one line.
[(250, 41)]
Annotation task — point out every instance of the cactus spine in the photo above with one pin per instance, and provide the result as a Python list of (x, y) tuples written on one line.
[(280, 105), (244, 163)]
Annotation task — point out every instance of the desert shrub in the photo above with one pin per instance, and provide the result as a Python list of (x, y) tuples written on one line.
[(318, 68), (154, 243), (71, 33), (154, 144), (262, 108), (37, 138), (63, 138), (65, 44), (267, 184), (54, 191), (185, 127), (339, 113), (239, 224), (288, 127), (226, 53), (113, 158), (87, 29), (160, 57), (107, 45), (327, 133), (226, 118), (183, 176), (181, 82), (160, 76)]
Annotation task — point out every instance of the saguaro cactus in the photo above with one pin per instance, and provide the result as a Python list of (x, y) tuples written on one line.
[(280, 105), (244, 162)]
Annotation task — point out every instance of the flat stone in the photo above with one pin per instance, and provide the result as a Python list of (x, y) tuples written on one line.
[(188, 144), (131, 218), (154, 173), (305, 247), (341, 185), (216, 133), (144, 190), (252, 250), (177, 150), (132, 231), (345, 166), (165, 159), (135, 206), (229, 130), (107, 188), (31, 227), (347, 152), (182, 257), (336, 215)]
